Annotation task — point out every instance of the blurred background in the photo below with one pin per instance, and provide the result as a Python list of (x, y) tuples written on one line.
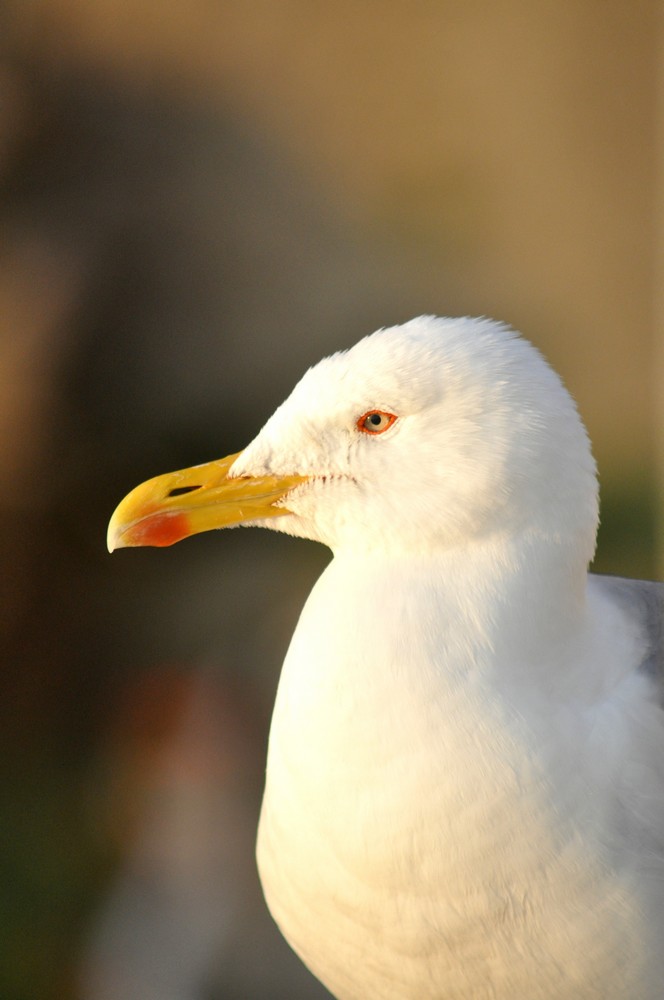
[(197, 201)]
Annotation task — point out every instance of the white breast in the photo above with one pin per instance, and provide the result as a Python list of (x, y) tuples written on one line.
[(421, 837)]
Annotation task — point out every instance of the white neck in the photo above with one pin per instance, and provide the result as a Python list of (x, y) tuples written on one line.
[(403, 761)]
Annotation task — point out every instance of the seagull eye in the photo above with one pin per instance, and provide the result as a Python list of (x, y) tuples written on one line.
[(375, 422)]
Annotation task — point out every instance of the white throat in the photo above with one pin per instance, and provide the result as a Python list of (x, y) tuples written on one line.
[(397, 769)]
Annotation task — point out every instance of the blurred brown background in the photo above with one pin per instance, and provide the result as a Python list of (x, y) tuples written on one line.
[(198, 200)]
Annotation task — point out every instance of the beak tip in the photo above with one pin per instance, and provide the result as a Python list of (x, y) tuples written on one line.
[(114, 534)]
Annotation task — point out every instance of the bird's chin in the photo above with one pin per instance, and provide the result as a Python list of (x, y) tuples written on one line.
[(296, 525), (312, 508)]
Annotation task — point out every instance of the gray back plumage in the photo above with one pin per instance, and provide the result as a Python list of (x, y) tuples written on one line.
[(644, 601)]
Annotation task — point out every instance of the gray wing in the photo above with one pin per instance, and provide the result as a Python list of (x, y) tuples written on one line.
[(644, 601)]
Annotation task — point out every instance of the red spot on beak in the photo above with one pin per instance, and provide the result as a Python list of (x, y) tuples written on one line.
[(159, 530)]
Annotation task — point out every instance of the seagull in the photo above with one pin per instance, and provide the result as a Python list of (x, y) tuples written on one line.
[(464, 794)]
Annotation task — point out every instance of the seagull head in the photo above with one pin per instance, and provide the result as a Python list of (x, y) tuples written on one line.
[(434, 434)]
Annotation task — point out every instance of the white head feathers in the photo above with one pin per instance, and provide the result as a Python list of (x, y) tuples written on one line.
[(486, 439)]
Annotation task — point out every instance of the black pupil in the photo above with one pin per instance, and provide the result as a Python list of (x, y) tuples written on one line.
[(375, 419)]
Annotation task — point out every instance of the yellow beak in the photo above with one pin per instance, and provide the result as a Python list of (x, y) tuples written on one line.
[(168, 508)]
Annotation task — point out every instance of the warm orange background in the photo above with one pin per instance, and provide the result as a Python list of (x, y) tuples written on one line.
[(198, 200)]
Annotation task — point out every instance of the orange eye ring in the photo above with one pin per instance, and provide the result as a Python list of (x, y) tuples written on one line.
[(375, 422)]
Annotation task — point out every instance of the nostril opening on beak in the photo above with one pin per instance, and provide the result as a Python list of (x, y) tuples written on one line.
[(179, 490)]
